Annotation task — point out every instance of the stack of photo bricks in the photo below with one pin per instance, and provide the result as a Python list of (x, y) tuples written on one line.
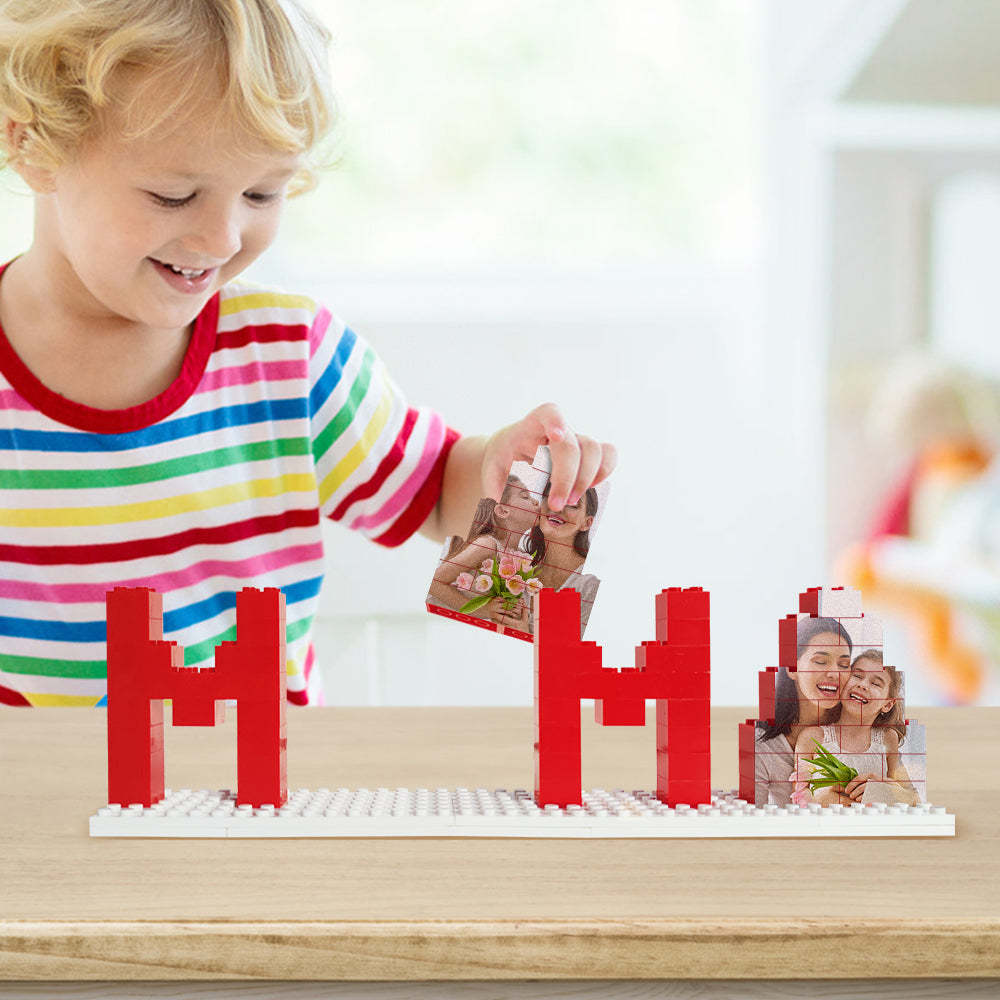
[(797, 678)]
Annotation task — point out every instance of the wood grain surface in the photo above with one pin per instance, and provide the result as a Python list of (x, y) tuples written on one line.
[(72, 907)]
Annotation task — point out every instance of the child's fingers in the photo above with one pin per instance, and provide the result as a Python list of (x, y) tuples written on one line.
[(496, 466), (520, 441), (590, 461), (551, 422), (565, 467), (609, 459), (578, 462)]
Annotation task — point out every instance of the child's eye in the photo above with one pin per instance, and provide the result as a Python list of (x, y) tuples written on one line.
[(254, 196), (262, 198), (170, 202)]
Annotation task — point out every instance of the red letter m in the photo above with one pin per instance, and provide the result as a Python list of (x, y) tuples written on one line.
[(674, 670), (143, 669)]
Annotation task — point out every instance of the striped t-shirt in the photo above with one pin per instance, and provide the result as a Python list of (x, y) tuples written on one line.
[(279, 415)]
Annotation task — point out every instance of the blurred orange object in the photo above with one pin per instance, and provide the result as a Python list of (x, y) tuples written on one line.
[(912, 509), (958, 668)]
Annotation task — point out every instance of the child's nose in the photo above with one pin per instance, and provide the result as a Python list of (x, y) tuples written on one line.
[(217, 235)]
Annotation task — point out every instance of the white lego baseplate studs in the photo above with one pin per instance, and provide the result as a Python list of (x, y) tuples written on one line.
[(479, 812)]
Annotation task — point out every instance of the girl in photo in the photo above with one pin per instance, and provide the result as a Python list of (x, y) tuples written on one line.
[(499, 528)]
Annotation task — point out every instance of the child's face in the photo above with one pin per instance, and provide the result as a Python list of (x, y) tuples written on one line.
[(102, 226), (866, 692)]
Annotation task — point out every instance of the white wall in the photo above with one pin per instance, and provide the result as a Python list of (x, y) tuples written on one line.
[(675, 369)]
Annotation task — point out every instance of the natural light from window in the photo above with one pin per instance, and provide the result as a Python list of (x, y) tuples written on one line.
[(516, 133)]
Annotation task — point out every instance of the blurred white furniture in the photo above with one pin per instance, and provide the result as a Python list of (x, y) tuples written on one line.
[(885, 170)]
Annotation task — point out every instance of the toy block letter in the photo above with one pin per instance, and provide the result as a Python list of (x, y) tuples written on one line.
[(143, 669), (673, 670)]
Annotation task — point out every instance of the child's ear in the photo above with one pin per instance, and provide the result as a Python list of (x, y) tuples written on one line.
[(40, 180), (501, 510)]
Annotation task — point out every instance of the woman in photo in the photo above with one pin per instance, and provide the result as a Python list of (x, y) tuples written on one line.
[(808, 696), (559, 544)]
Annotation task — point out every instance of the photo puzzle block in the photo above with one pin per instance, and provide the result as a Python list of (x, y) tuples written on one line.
[(515, 546)]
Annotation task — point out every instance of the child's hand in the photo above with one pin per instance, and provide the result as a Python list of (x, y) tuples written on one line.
[(578, 462)]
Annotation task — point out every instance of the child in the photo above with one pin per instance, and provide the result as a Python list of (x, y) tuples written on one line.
[(161, 424), (867, 737)]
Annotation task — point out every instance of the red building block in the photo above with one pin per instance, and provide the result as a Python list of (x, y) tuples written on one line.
[(675, 672), (809, 601), (143, 669)]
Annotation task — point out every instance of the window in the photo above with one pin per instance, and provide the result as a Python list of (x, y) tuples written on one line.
[(521, 133)]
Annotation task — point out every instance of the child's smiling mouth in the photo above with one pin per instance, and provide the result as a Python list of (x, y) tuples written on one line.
[(189, 280)]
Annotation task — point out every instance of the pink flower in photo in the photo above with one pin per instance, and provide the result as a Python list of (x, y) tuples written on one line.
[(534, 585), (464, 581), (486, 565), (482, 583), (515, 584), (508, 567)]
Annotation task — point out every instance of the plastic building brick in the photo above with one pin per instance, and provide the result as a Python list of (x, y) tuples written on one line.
[(487, 577), (831, 602), (674, 670), (831, 688), (143, 669), (465, 812)]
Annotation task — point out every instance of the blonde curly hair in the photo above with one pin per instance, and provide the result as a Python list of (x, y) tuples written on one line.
[(62, 62)]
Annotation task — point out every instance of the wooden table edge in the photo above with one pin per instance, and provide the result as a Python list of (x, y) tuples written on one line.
[(632, 948)]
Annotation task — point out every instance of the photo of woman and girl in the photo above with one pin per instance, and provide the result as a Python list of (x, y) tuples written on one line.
[(515, 546), (851, 705)]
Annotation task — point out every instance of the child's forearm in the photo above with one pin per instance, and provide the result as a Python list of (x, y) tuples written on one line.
[(461, 491)]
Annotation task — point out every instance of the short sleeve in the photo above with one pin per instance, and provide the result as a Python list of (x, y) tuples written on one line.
[(379, 463)]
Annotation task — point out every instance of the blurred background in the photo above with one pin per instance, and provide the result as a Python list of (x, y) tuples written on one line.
[(751, 242)]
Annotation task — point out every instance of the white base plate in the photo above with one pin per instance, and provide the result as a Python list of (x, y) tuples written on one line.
[(463, 812)]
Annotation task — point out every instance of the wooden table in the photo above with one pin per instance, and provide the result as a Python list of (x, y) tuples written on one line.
[(76, 908)]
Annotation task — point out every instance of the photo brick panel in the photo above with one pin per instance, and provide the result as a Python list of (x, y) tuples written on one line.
[(847, 643)]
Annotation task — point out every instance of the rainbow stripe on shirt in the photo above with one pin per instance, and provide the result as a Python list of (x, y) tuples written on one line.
[(281, 414)]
